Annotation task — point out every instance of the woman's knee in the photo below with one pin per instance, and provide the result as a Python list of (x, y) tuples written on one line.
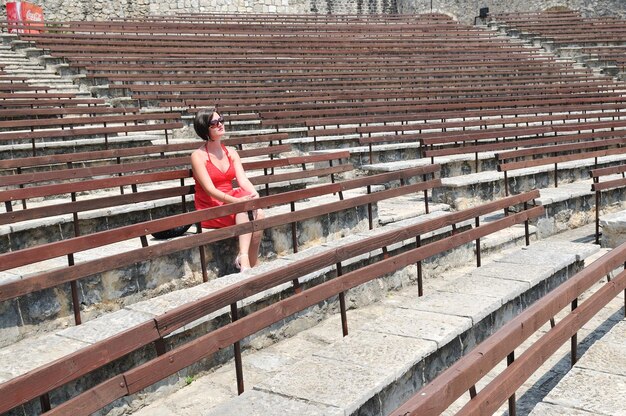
[(259, 214), (241, 217)]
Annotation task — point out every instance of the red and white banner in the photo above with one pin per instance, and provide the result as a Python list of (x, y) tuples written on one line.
[(24, 14)]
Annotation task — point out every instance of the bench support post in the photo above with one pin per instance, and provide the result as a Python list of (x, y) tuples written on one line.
[(159, 346), (478, 262), (574, 340), (70, 262), (294, 230), (597, 217), (420, 285), (426, 209), (509, 360), (556, 176), (526, 227), (44, 400), (205, 276), (342, 305), (237, 348), (506, 184), (369, 209)]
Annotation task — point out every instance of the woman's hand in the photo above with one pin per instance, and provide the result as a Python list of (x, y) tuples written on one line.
[(247, 198)]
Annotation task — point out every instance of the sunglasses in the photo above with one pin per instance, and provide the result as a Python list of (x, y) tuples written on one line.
[(214, 123)]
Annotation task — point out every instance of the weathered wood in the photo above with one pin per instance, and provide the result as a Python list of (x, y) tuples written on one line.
[(81, 243), (49, 377), (176, 318), (93, 399), (491, 396), (179, 358), (435, 397)]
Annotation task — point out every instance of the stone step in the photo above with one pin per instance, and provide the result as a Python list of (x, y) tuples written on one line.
[(104, 290), (596, 383), (11, 151), (393, 347), (613, 229), (56, 344)]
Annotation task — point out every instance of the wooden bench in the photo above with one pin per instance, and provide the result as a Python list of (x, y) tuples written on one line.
[(68, 247), (462, 376), (148, 177), (81, 362), (553, 155), (72, 127), (600, 185)]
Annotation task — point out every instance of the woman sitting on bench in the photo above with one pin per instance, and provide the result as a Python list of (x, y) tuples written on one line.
[(214, 168)]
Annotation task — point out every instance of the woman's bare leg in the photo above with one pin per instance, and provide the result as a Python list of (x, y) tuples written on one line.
[(244, 242)]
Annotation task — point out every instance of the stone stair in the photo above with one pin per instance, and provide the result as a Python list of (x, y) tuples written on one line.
[(52, 345), (18, 63), (394, 346)]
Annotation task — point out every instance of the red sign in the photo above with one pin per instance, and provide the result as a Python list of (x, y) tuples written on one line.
[(24, 14)]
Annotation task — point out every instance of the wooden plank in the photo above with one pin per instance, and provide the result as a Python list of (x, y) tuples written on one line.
[(72, 121), (435, 397), (503, 167), (49, 377), (603, 186), (262, 151), (511, 143), (581, 145), (506, 383), (176, 318), (608, 171), (91, 204), (90, 185), (94, 171), (290, 176), (76, 244), (93, 399), (181, 357), (90, 131)]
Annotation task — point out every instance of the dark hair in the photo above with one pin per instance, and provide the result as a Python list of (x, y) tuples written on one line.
[(201, 122)]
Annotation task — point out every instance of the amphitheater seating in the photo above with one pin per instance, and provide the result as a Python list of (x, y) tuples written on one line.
[(597, 42), (605, 179), (68, 247), (421, 87), (463, 375), (81, 127), (551, 155), (158, 178), (31, 385)]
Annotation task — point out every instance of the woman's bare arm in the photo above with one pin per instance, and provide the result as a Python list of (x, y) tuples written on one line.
[(240, 174), (198, 166)]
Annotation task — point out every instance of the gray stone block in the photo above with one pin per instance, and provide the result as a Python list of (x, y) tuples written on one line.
[(458, 304), (329, 382), (608, 357), (532, 274), (482, 286), (590, 390), (106, 326), (388, 354), (613, 229), (31, 353), (438, 327), (556, 254), (617, 334), (261, 403), (546, 409)]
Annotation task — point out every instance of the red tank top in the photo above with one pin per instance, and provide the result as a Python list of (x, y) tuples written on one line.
[(222, 181)]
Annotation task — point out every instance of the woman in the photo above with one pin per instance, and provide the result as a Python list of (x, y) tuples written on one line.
[(214, 168)]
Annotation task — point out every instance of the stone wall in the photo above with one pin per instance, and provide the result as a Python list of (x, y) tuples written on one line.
[(466, 10), (463, 10)]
